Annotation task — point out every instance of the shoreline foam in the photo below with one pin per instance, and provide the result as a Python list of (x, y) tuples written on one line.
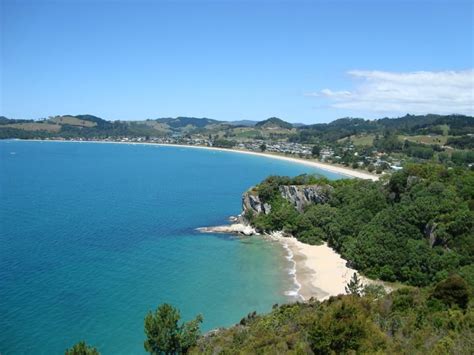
[(320, 271), (292, 272)]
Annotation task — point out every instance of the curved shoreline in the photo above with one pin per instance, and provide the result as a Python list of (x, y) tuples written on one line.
[(316, 271), (312, 163), (315, 164)]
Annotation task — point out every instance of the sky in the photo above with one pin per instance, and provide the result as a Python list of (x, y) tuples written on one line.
[(302, 61)]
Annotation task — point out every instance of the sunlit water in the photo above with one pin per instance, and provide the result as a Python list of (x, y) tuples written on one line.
[(92, 236)]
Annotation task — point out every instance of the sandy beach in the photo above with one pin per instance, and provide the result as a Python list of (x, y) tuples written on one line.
[(319, 271)]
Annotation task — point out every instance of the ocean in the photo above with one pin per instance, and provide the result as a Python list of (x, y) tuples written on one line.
[(93, 236)]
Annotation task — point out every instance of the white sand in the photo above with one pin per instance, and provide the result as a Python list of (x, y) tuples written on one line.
[(313, 163), (320, 271)]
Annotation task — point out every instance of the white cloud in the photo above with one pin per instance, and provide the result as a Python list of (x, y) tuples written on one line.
[(413, 92)]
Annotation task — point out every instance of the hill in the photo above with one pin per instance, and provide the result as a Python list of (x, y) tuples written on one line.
[(407, 125), (246, 123), (274, 123), (181, 122)]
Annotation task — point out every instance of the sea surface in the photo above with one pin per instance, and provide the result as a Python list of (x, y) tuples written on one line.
[(93, 236)]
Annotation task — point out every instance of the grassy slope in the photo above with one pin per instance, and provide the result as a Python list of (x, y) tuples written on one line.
[(73, 121), (36, 126)]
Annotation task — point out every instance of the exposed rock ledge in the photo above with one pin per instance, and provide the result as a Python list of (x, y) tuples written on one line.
[(235, 228), (298, 196)]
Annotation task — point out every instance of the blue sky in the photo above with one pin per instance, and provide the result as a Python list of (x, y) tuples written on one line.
[(303, 61)]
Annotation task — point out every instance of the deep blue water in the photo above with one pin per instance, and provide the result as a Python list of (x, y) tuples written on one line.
[(92, 236)]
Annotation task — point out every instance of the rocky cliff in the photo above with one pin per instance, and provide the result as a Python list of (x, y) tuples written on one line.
[(298, 195), (301, 196), (252, 202)]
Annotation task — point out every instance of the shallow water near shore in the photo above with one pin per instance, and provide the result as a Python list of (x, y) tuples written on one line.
[(92, 236)]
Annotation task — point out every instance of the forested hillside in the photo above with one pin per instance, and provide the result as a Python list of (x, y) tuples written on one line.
[(415, 227), (456, 125)]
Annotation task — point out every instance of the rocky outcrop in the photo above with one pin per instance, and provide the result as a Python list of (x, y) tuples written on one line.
[(298, 195), (235, 228), (252, 202), (301, 196)]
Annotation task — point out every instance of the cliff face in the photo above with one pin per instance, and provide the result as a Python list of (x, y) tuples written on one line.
[(298, 196), (301, 196), (251, 202)]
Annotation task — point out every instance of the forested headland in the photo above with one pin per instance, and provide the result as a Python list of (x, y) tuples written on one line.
[(415, 226)]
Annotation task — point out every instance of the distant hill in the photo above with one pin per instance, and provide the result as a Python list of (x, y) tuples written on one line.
[(274, 123), (407, 125), (181, 122), (298, 125), (86, 125), (80, 121), (246, 123)]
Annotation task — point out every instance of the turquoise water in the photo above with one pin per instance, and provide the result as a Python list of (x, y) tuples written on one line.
[(92, 236)]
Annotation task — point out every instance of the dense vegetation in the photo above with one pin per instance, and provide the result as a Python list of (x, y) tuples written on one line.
[(165, 336), (415, 227), (435, 320), (82, 348)]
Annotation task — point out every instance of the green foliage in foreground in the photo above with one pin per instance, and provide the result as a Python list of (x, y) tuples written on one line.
[(82, 348), (415, 227), (165, 336), (407, 321), (433, 320)]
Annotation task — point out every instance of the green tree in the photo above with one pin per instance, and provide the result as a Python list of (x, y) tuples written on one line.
[(344, 329), (355, 286), (82, 348), (316, 150), (263, 147), (374, 291), (452, 291), (165, 336)]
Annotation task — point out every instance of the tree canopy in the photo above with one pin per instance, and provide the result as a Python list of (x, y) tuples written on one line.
[(165, 336)]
